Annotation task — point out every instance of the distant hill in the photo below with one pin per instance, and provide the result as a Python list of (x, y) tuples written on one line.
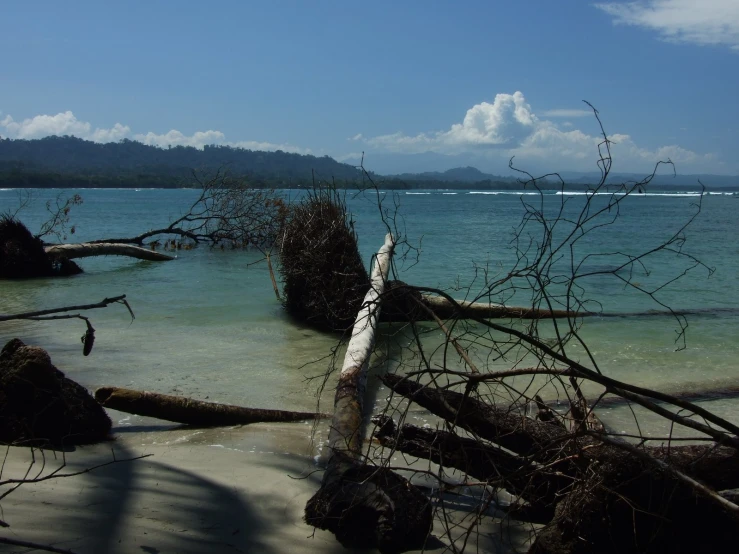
[(460, 174), (71, 161)]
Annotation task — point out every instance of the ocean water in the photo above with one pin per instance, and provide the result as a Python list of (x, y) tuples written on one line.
[(208, 324)]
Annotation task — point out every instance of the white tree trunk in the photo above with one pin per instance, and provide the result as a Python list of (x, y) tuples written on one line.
[(85, 250), (346, 426)]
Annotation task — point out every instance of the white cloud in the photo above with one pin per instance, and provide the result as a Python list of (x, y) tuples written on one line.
[(503, 123), (176, 138), (65, 123), (116, 133), (269, 146), (509, 127), (358, 136), (704, 22), (550, 143)]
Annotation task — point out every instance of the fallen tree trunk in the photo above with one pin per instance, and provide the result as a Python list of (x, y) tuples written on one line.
[(88, 249), (400, 306), (503, 426), (345, 435), (604, 492), (365, 505), (191, 412), (445, 309), (495, 466)]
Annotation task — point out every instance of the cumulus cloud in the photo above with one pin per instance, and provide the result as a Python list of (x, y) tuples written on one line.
[(707, 22), (176, 138), (66, 123), (63, 123), (504, 123), (548, 142), (269, 146), (509, 127)]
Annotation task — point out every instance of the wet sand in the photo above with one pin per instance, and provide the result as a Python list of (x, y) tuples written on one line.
[(192, 494)]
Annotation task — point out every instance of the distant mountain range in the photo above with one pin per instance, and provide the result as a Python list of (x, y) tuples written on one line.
[(473, 175), (73, 162)]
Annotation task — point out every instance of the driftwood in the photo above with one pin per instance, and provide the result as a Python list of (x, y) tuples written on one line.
[(87, 249), (597, 491), (104, 303), (191, 412), (445, 309), (365, 505)]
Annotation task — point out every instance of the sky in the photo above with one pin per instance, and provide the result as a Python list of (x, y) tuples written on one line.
[(414, 85)]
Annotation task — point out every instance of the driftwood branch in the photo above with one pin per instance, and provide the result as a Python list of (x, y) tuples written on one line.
[(191, 412), (87, 249), (102, 304), (446, 309)]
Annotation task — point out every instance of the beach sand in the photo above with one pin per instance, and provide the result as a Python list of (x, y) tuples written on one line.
[(190, 495)]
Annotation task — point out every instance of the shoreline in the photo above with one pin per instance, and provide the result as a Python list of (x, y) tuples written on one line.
[(188, 496)]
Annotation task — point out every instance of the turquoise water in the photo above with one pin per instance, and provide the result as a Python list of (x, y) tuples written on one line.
[(208, 324)]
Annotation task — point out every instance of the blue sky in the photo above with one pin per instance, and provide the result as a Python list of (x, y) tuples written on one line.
[(415, 85)]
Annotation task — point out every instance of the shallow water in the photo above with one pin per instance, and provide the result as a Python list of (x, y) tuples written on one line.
[(208, 324)]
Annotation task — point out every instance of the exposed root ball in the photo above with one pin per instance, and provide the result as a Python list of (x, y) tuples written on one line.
[(22, 255), (324, 277), (40, 406), (372, 506), (628, 507)]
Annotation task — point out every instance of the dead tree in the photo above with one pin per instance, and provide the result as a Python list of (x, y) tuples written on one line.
[(361, 504), (227, 211), (487, 384)]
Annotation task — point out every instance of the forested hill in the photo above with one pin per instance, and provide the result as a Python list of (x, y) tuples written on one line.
[(71, 161)]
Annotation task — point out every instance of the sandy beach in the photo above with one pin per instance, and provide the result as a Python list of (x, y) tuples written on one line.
[(188, 496)]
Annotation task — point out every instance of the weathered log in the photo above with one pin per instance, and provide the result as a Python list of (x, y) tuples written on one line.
[(718, 466), (506, 427), (189, 411), (403, 302), (519, 476), (445, 309), (607, 497), (87, 249), (365, 505)]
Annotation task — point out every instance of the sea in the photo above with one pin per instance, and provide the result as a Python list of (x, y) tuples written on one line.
[(208, 324)]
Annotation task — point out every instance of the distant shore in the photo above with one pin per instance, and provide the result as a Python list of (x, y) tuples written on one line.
[(163, 182)]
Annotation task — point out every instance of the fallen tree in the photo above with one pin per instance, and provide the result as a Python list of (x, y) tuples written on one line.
[(86, 250), (361, 504), (226, 212), (489, 376), (189, 411)]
